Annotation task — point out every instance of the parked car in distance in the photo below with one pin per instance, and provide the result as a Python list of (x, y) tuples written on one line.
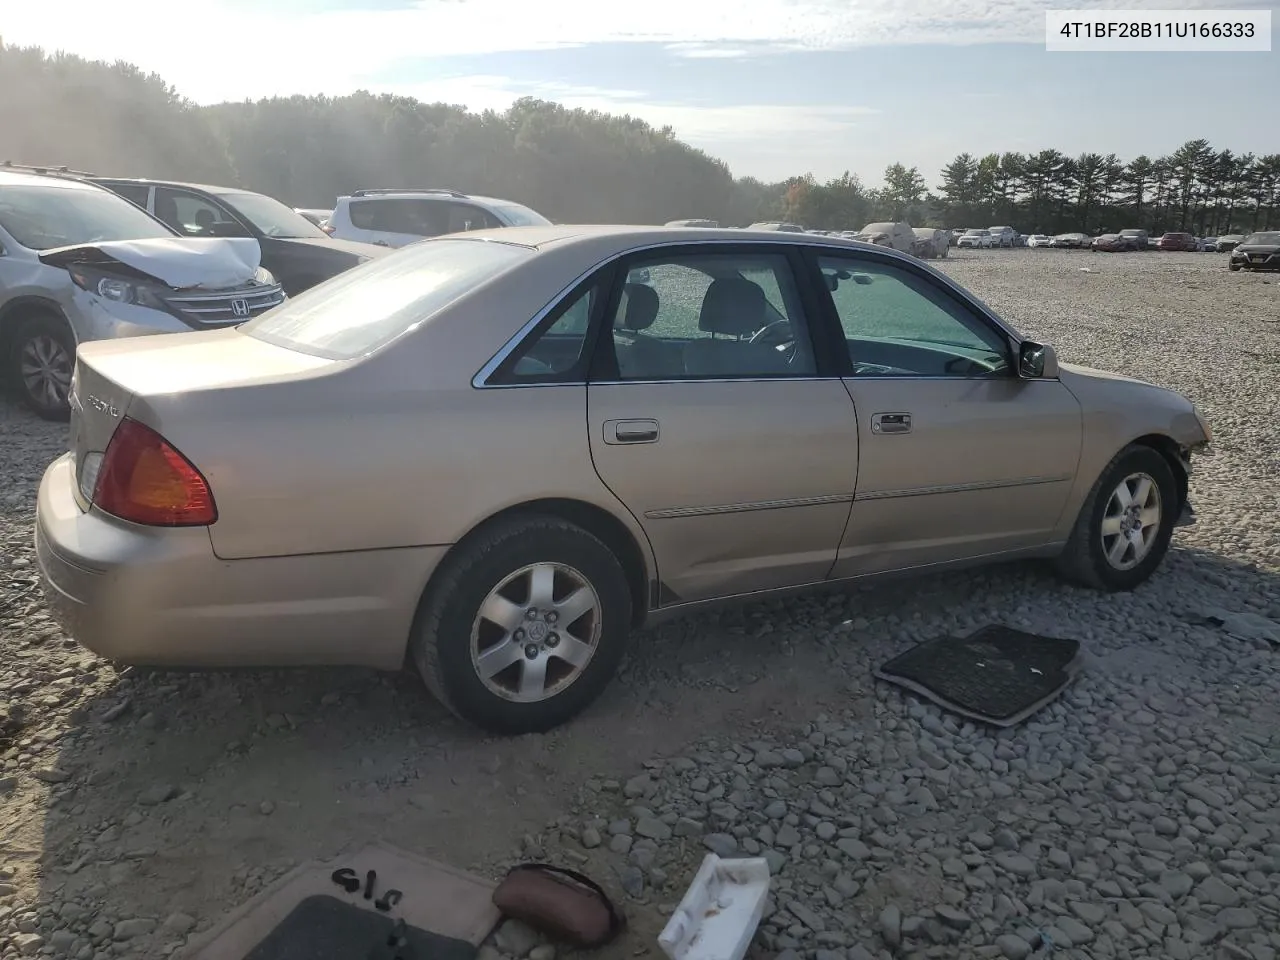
[(778, 226), (296, 251), (933, 244), (1257, 251), (1134, 238), (1109, 243), (318, 217), (1229, 242), (81, 263), (1002, 236), (897, 235), (1072, 241), (709, 224), (976, 238), (177, 532), (956, 234), (396, 216), (1178, 241), (1039, 240), (1208, 245)]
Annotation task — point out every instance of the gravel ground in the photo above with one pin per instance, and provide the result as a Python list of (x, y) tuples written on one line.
[(1137, 817)]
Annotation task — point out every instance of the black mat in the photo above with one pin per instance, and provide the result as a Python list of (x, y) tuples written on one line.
[(997, 675), (326, 928)]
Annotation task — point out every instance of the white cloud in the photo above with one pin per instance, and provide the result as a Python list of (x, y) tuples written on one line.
[(210, 53)]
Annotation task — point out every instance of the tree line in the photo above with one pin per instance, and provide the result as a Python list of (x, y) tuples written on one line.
[(579, 165)]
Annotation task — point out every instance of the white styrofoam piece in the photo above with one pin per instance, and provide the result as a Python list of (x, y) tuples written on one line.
[(720, 911)]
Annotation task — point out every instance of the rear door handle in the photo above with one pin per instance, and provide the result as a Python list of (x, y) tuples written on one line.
[(631, 431), (891, 423)]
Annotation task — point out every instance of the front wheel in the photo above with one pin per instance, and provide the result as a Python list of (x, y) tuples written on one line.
[(1125, 524), (41, 361), (525, 626), (1233, 267)]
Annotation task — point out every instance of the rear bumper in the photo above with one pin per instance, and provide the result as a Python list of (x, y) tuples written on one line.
[(160, 597)]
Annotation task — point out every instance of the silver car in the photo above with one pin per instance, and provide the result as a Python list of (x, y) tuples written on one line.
[(494, 455), (80, 263)]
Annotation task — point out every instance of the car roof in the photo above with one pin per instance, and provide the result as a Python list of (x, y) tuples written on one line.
[(613, 239), (149, 182), (15, 178)]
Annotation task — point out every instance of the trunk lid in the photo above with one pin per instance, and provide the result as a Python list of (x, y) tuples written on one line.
[(115, 378)]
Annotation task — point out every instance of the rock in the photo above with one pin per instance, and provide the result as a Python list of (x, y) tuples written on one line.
[(1091, 913), (590, 838), (721, 844), (1016, 864), (891, 926), (956, 919), (28, 944), (516, 938), (158, 794), (1237, 918), (652, 828), (1076, 931), (51, 775), (639, 787), (1214, 890), (267, 808), (854, 848), (128, 929), (1158, 912), (1013, 947), (178, 925), (776, 810), (544, 951)]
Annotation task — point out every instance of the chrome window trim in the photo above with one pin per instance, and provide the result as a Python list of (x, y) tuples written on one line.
[(882, 253)]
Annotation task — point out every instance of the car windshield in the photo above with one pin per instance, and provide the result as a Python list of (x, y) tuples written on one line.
[(878, 228), (519, 215), (364, 309), (272, 217), (1130, 233), (1270, 237), (41, 217), (975, 233)]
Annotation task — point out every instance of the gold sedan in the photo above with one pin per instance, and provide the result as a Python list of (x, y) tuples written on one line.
[(495, 455)]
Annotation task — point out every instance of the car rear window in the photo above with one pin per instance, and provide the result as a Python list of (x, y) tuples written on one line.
[(365, 308)]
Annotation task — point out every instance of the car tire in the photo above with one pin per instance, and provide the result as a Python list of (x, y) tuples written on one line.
[(42, 357), (1095, 556), (1233, 267), (509, 564)]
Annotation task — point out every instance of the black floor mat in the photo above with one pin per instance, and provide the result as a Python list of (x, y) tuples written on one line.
[(326, 928), (997, 675)]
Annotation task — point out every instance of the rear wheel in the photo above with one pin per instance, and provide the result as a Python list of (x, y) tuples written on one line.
[(525, 626), (1233, 267), (1125, 524), (42, 357)]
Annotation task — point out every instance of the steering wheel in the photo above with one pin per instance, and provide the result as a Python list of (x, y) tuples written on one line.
[(789, 342)]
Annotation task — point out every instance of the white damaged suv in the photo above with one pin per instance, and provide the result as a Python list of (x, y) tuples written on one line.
[(79, 262)]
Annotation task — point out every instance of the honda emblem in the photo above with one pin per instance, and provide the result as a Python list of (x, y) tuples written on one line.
[(240, 308)]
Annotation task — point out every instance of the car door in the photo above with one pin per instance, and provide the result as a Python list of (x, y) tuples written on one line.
[(718, 424), (193, 215), (959, 456)]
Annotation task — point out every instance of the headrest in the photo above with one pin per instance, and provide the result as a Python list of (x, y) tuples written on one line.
[(642, 306), (734, 306)]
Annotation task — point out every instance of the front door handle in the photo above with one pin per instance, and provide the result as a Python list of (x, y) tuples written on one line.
[(631, 431), (891, 423)]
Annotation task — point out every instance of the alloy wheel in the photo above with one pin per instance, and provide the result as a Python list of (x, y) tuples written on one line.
[(536, 631), (1131, 521), (45, 367)]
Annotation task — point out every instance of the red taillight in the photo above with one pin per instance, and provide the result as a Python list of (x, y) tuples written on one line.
[(145, 480)]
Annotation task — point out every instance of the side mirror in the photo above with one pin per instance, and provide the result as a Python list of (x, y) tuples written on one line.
[(1037, 361)]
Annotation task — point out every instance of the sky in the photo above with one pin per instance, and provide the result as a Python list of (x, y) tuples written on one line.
[(773, 87)]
